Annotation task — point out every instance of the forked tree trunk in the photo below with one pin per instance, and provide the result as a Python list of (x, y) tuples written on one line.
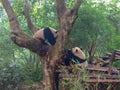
[(50, 60)]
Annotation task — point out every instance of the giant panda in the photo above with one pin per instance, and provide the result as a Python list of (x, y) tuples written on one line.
[(75, 56), (47, 36)]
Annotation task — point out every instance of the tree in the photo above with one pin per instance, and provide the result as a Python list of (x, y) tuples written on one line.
[(50, 55)]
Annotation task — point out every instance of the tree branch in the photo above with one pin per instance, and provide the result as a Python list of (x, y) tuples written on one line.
[(19, 37), (34, 45), (27, 16), (72, 14), (76, 6), (61, 8), (11, 15)]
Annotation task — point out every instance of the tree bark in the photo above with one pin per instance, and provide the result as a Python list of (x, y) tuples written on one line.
[(50, 60), (27, 16)]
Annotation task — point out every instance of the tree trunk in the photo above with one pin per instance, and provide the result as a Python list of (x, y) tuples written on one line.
[(91, 51), (46, 78), (51, 60)]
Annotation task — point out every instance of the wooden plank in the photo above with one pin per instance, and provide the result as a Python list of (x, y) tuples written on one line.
[(108, 54), (103, 76), (117, 57), (117, 50), (102, 81), (101, 69)]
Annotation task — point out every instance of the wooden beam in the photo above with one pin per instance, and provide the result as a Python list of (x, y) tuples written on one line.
[(102, 81), (102, 76)]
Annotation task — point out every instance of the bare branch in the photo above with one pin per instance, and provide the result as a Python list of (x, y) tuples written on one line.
[(11, 15), (27, 16), (76, 6), (61, 8), (73, 12)]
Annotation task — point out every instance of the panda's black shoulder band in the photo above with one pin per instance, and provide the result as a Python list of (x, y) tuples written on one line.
[(49, 36), (80, 60)]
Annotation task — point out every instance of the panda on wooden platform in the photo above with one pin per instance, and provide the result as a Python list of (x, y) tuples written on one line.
[(47, 36), (75, 56)]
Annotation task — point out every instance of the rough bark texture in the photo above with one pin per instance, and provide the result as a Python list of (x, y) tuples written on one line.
[(50, 60)]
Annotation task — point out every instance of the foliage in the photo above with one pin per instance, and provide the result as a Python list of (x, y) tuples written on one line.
[(80, 83), (17, 65), (94, 25), (44, 14), (116, 64), (10, 76), (73, 77)]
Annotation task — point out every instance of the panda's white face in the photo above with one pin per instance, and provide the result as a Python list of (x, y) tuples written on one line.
[(78, 52)]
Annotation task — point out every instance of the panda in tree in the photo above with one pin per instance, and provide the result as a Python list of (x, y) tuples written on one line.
[(75, 56), (47, 36)]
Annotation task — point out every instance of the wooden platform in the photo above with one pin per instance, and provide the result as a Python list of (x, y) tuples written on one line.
[(102, 78), (102, 69), (101, 75)]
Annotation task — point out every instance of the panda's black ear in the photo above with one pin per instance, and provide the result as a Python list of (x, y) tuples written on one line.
[(56, 32), (76, 50), (81, 48)]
